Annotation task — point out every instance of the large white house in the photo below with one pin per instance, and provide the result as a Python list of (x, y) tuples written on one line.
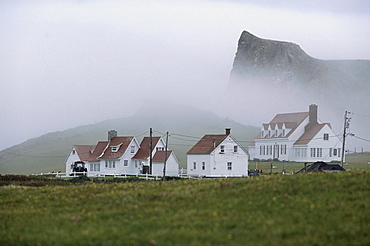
[(217, 155), (123, 156), (297, 137)]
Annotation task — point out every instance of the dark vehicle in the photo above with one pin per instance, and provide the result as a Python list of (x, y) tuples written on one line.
[(78, 168)]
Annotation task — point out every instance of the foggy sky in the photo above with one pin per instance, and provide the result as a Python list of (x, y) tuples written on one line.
[(69, 63)]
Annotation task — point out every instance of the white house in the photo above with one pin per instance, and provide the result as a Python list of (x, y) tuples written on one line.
[(217, 155), (142, 158), (296, 137), (122, 155)]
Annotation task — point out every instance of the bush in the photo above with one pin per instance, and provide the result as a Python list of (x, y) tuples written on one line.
[(80, 179)]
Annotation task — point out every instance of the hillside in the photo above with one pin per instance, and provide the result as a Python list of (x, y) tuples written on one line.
[(48, 152)]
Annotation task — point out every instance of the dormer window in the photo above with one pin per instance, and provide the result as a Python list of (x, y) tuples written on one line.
[(276, 133), (269, 133), (115, 148), (283, 132), (262, 133)]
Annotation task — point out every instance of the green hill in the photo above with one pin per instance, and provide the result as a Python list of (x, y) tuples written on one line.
[(186, 126)]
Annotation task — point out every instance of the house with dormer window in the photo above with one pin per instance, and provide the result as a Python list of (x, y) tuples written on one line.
[(123, 156), (217, 155), (296, 137)]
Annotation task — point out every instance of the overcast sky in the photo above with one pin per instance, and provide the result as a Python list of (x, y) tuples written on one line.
[(69, 63)]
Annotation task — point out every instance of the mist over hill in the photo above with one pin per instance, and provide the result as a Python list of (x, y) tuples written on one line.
[(185, 124), (279, 76)]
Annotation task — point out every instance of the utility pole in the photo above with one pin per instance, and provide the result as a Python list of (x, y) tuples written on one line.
[(151, 151), (165, 159), (346, 125)]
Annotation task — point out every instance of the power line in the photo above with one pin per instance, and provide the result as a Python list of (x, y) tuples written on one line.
[(363, 139)]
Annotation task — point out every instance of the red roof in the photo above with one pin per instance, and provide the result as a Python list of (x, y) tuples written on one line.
[(310, 134), (84, 151), (159, 156), (290, 120), (206, 144), (122, 143), (144, 151)]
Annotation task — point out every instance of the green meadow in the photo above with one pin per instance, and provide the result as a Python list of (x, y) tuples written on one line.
[(304, 209)]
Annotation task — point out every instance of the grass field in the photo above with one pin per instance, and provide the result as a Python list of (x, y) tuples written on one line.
[(305, 209), (354, 162)]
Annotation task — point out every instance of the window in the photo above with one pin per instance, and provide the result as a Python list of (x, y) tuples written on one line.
[(235, 148), (125, 163), (136, 164), (262, 133), (160, 148), (283, 132), (313, 152), (276, 133), (94, 167), (114, 148), (330, 152), (335, 152), (222, 149), (229, 166), (110, 164), (194, 165), (319, 152), (73, 152), (326, 136), (269, 133), (132, 149), (203, 165)]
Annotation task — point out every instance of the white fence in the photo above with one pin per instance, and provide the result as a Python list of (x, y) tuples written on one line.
[(182, 174)]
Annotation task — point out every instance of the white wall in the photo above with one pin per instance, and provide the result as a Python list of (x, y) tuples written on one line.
[(172, 167), (71, 159), (198, 159)]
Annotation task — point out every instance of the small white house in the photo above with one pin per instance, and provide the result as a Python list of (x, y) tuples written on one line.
[(297, 137), (142, 158), (216, 156), (123, 156)]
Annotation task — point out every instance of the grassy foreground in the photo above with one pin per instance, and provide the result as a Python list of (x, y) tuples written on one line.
[(306, 209)]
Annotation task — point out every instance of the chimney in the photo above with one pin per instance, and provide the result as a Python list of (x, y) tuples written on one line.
[(312, 117), (227, 130), (112, 134)]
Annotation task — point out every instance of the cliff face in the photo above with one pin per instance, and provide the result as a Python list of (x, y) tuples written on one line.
[(283, 63), (273, 61)]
